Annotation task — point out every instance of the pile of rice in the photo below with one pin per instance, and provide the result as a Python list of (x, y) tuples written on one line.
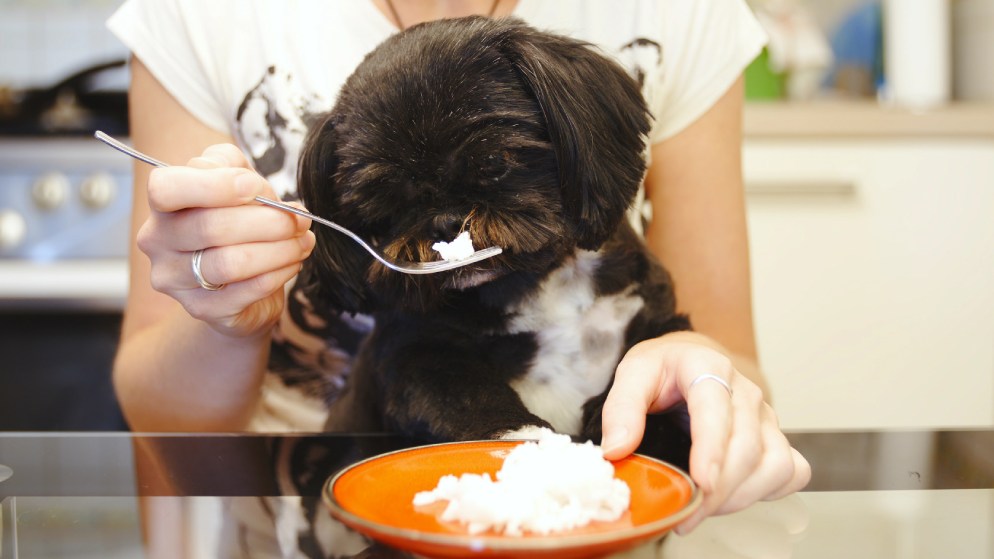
[(550, 486)]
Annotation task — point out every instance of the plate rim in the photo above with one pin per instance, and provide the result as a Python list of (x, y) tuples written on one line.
[(496, 542)]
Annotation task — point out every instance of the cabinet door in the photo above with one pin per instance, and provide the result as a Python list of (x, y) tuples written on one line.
[(873, 275)]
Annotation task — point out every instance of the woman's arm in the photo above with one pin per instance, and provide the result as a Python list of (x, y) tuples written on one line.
[(738, 455), (698, 229), (173, 371)]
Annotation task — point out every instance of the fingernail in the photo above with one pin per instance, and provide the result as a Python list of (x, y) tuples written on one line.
[(247, 184), (307, 241), (687, 526), (614, 439)]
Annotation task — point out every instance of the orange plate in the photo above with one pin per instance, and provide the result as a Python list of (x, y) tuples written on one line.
[(375, 496)]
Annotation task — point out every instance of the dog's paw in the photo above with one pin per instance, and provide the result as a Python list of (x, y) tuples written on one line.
[(528, 432)]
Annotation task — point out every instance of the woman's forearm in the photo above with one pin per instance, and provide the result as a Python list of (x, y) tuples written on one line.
[(179, 374)]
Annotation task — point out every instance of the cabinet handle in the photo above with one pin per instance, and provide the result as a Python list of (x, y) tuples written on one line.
[(832, 188)]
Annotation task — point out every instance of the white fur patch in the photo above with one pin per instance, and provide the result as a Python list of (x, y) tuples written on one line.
[(579, 337)]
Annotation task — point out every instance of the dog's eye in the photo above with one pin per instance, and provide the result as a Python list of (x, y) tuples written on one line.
[(409, 188), (495, 166)]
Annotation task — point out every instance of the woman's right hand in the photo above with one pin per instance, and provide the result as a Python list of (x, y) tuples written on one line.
[(254, 250)]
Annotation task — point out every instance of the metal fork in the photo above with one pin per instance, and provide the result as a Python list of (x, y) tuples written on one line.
[(392, 263)]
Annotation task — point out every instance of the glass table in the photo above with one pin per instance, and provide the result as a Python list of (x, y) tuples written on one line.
[(874, 494)]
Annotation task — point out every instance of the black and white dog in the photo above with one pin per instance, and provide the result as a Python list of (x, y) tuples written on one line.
[(530, 141)]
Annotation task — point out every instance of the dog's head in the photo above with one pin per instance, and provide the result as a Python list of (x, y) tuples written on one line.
[(531, 141)]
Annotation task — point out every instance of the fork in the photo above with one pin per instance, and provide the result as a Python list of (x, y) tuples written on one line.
[(392, 263)]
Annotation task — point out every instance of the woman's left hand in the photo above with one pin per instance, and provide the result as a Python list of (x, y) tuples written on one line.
[(738, 454)]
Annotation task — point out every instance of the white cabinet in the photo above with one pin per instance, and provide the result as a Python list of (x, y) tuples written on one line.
[(873, 278)]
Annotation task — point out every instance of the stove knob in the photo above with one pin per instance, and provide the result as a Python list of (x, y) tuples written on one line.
[(50, 190), (98, 190), (13, 229)]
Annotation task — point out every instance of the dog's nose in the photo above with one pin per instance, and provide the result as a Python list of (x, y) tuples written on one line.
[(446, 227)]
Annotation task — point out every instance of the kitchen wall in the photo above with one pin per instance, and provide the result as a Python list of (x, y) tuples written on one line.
[(42, 41), (872, 265)]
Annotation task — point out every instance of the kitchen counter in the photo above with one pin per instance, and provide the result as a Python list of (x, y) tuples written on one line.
[(874, 494), (865, 119), (100, 284)]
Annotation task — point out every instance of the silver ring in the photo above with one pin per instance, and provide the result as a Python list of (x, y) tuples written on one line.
[(197, 273), (715, 378)]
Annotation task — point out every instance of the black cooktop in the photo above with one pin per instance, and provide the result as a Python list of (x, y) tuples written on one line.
[(74, 106)]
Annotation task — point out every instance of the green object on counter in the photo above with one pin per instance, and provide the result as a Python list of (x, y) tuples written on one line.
[(761, 82)]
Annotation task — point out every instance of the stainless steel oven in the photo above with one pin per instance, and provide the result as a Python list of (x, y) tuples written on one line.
[(64, 214)]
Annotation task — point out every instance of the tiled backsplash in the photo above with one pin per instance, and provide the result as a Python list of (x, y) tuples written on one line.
[(43, 41)]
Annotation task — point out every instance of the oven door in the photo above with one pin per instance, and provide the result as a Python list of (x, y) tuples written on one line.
[(56, 370)]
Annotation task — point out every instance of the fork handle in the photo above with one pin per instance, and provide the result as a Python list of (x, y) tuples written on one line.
[(132, 152), (295, 210)]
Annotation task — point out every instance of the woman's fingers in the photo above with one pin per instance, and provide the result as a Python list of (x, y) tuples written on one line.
[(237, 263), (245, 306), (203, 188), (772, 471), (623, 413), (710, 410), (712, 427), (641, 386), (220, 176), (758, 462), (738, 454), (799, 478), (220, 155), (252, 250), (745, 448), (199, 228), (230, 264)]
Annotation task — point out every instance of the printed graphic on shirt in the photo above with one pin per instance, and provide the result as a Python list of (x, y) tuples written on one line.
[(272, 124), (312, 352), (640, 56)]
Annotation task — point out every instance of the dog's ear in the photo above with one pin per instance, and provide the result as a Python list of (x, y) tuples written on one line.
[(334, 276), (597, 121)]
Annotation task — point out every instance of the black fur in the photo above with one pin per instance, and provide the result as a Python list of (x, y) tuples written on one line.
[(533, 142)]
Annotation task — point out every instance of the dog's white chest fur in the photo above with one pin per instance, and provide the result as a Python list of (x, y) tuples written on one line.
[(579, 337)]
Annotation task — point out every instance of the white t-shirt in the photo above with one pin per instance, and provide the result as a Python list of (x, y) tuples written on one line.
[(256, 69), (260, 69)]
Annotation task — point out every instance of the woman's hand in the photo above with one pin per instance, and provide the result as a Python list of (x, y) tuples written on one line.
[(253, 250), (738, 454)]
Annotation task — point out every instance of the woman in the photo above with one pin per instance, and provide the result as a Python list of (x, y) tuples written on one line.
[(253, 355)]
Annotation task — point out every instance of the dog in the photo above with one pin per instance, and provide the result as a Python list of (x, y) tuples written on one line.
[(531, 141)]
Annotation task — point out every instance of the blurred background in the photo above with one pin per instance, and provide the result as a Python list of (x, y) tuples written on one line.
[(869, 164)]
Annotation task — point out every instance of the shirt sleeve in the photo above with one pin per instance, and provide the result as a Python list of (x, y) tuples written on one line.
[(707, 45), (171, 41)]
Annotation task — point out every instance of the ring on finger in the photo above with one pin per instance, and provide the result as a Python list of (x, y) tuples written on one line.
[(199, 274), (715, 378)]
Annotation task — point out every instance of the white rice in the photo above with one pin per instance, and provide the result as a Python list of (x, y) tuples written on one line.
[(550, 486), (461, 247)]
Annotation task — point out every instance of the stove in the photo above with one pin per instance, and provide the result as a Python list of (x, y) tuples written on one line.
[(65, 201), (64, 221), (65, 198), (64, 229)]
